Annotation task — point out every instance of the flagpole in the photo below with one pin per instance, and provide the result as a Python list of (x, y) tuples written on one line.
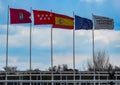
[(74, 53), (74, 48), (93, 47), (52, 53), (30, 45), (93, 38), (7, 42)]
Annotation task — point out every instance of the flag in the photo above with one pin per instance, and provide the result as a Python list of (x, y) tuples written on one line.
[(101, 22), (83, 23), (63, 21), (18, 16), (43, 17)]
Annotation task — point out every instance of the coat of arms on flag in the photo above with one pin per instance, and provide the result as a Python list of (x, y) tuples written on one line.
[(18, 16), (21, 16), (63, 21)]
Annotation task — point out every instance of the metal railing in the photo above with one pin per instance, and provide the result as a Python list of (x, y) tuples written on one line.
[(59, 78)]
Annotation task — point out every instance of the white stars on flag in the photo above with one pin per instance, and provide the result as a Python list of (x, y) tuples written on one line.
[(44, 17)]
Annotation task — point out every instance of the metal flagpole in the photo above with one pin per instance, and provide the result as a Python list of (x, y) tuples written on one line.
[(52, 53), (30, 44), (93, 47), (74, 49), (74, 53), (7, 43), (93, 39)]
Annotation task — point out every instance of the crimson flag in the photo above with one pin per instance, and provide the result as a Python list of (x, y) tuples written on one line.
[(43, 17), (18, 16)]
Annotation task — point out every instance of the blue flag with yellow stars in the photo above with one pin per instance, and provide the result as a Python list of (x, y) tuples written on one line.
[(83, 23)]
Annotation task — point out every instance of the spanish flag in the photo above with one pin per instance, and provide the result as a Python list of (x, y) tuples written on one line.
[(63, 21)]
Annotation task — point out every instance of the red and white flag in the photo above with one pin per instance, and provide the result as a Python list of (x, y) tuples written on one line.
[(18, 16), (43, 17)]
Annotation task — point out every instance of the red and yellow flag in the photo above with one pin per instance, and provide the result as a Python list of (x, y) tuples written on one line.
[(63, 21)]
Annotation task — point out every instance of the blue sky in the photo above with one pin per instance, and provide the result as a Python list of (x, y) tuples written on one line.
[(107, 40)]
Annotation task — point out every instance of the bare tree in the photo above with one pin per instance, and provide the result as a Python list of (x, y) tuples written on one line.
[(10, 69), (99, 62), (63, 67)]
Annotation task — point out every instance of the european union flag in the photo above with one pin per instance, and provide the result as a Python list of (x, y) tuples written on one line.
[(83, 23)]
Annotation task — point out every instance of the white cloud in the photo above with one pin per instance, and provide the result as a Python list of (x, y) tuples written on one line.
[(13, 60), (80, 61), (62, 39), (21, 65), (68, 59), (106, 36), (19, 37), (114, 60), (117, 46)]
